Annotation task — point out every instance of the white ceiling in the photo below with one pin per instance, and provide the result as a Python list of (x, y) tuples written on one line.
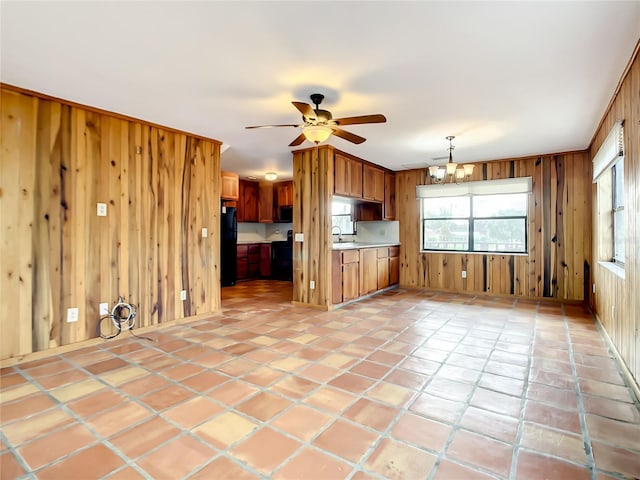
[(507, 78)]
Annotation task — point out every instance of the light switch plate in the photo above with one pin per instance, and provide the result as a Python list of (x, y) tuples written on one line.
[(299, 237), (205, 233), (183, 295), (104, 308), (101, 209)]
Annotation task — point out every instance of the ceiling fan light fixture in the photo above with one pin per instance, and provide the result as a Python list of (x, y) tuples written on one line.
[(316, 133), (270, 176)]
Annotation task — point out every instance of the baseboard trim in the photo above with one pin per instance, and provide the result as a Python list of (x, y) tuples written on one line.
[(29, 357), (626, 373)]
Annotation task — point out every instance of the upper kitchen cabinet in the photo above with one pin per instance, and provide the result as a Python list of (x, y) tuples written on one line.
[(373, 183), (347, 180), (248, 202), (230, 186), (265, 202), (285, 194), (389, 196)]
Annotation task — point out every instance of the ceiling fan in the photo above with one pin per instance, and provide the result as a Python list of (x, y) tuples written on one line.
[(319, 124)]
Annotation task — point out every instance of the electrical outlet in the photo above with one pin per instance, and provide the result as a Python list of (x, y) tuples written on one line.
[(299, 237), (183, 295), (72, 315), (312, 284), (464, 274), (205, 233), (104, 308), (101, 209), (594, 288)]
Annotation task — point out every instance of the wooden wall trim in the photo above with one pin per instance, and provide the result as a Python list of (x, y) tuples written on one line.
[(44, 96)]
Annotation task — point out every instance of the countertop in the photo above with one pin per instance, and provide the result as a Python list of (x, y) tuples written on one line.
[(355, 245), (254, 242)]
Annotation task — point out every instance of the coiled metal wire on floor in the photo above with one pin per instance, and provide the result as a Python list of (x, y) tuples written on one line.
[(123, 317)]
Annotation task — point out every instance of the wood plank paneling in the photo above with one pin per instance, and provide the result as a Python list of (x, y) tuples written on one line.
[(555, 264), (616, 301), (161, 188), (313, 190)]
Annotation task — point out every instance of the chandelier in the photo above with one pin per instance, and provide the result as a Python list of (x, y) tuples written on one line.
[(451, 171)]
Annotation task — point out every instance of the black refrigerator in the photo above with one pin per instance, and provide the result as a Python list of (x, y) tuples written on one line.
[(228, 240)]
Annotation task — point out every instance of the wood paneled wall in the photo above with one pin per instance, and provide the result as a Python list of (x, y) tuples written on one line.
[(312, 194), (617, 300), (559, 234), (161, 187)]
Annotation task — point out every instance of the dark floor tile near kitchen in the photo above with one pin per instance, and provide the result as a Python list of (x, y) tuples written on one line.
[(404, 384)]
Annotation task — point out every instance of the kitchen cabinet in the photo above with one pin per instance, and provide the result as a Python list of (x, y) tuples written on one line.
[(285, 194), (389, 196), (265, 260), (383, 267), (368, 270), (265, 202), (394, 265), (362, 271), (345, 276), (347, 177), (373, 183), (242, 262), (230, 186), (248, 202), (248, 261)]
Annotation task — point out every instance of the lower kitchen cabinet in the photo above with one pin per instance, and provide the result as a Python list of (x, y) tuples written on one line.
[(394, 265), (248, 262), (345, 276), (383, 268), (368, 270), (362, 271), (265, 260)]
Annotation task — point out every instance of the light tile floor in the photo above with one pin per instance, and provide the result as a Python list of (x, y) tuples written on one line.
[(405, 384)]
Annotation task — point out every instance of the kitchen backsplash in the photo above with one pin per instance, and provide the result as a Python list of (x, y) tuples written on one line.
[(260, 232), (387, 232)]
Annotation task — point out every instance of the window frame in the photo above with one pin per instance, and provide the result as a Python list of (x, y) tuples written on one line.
[(349, 215), (617, 205), (471, 219)]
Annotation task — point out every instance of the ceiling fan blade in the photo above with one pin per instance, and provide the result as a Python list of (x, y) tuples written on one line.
[(306, 110), (271, 126), (299, 139), (377, 118), (351, 137)]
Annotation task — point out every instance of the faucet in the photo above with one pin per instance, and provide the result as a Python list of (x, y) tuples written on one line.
[(339, 232)]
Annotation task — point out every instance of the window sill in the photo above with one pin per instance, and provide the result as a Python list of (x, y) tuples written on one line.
[(617, 270), (464, 252)]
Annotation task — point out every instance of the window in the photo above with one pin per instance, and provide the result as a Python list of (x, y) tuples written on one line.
[(608, 175), (476, 223), (618, 211), (488, 216), (342, 217)]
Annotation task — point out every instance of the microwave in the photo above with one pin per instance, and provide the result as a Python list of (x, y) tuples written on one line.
[(285, 214)]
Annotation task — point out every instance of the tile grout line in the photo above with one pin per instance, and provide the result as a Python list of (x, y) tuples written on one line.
[(591, 464), (520, 431)]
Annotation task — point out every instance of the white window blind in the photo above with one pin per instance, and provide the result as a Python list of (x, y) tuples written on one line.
[(611, 150), (483, 187)]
